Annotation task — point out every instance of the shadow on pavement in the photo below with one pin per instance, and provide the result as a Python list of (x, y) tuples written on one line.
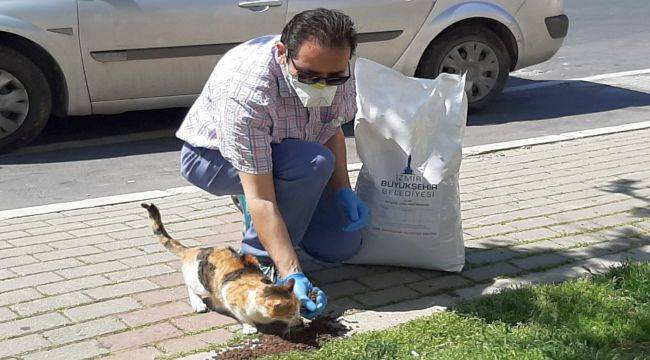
[(557, 101), (117, 150), (562, 267)]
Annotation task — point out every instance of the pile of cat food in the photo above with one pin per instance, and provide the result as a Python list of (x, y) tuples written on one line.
[(311, 336)]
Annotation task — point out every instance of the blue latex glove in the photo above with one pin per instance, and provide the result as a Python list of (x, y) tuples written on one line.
[(355, 210), (302, 287)]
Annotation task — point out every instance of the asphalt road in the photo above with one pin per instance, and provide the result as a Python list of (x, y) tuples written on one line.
[(107, 158)]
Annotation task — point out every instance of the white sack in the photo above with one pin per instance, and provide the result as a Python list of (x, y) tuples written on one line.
[(415, 211)]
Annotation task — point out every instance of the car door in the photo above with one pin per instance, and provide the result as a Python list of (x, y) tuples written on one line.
[(385, 27), (163, 48)]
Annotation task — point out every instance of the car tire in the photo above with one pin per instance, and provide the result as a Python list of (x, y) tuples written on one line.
[(455, 51), (25, 99)]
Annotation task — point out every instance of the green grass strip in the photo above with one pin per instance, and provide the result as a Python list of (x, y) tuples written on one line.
[(601, 317)]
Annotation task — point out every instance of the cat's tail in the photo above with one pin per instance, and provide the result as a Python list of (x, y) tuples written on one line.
[(158, 228)]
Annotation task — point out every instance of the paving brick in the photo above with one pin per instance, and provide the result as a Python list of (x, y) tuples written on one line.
[(91, 269), (85, 330), (614, 220), (439, 284), (429, 274), (490, 256), (530, 223), (82, 241), (82, 350), (27, 281), (111, 219), (111, 255), (490, 242), (555, 275), (641, 253), (385, 296), (575, 227), (16, 296), (199, 322), (534, 234), (490, 230), (96, 230), (31, 324), (496, 286), (128, 243), (166, 280), (46, 266), (389, 279), (537, 261), (146, 271), (6, 314), (22, 344), (51, 303), (148, 353), (490, 271), (156, 313), (57, 228), (12, 235), (142, 336), (126, 288), (17, 261), (73, 285), (149, 259), (343, 288), (23, 250), (132, 233), (100, 309), (425, 302), (589, 251), (198, 341), (77, 218), (575, 240), (7, 274), (341, 273), (67, 253), (194, 224), (162, 295), (153, 248), (39, 239), (536, 247), (338, 307)]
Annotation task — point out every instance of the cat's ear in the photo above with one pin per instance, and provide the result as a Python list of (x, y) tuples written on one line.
[(250, 260), (288, 286)]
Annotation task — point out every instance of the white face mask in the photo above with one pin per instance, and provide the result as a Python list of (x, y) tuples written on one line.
[(311, 95)]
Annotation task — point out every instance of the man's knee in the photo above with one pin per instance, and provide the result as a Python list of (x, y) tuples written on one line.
[(298, 160), (341, 249)]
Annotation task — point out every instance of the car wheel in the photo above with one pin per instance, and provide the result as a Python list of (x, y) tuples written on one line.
[(477, 51), (25, 99)]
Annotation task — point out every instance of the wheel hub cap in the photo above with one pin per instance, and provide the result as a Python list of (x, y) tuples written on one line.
[(480, 64), (14, 104)]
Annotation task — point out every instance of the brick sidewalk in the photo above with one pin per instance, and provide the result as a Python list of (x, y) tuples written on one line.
[(94, 282)]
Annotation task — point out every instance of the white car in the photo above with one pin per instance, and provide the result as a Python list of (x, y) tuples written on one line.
[(79, 57)]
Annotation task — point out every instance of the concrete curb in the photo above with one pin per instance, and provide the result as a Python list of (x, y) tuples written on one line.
[(467, 152)]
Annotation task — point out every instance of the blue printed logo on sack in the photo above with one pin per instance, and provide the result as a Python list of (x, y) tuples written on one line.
[(407, 184), (407, 169)]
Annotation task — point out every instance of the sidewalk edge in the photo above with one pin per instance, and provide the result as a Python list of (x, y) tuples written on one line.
[(467, 152), (550, 139)]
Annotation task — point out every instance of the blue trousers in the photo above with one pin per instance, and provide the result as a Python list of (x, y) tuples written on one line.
[(301, 171)]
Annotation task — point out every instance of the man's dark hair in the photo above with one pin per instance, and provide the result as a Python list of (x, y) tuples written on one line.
[(329, 28)]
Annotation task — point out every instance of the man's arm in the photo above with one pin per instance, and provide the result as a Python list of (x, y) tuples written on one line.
[(270, 227), (340, 178)]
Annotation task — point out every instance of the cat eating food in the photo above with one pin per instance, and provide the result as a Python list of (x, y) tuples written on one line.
[(231, 282)]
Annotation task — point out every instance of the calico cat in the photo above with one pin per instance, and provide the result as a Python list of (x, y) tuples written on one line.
[(232, 283)]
